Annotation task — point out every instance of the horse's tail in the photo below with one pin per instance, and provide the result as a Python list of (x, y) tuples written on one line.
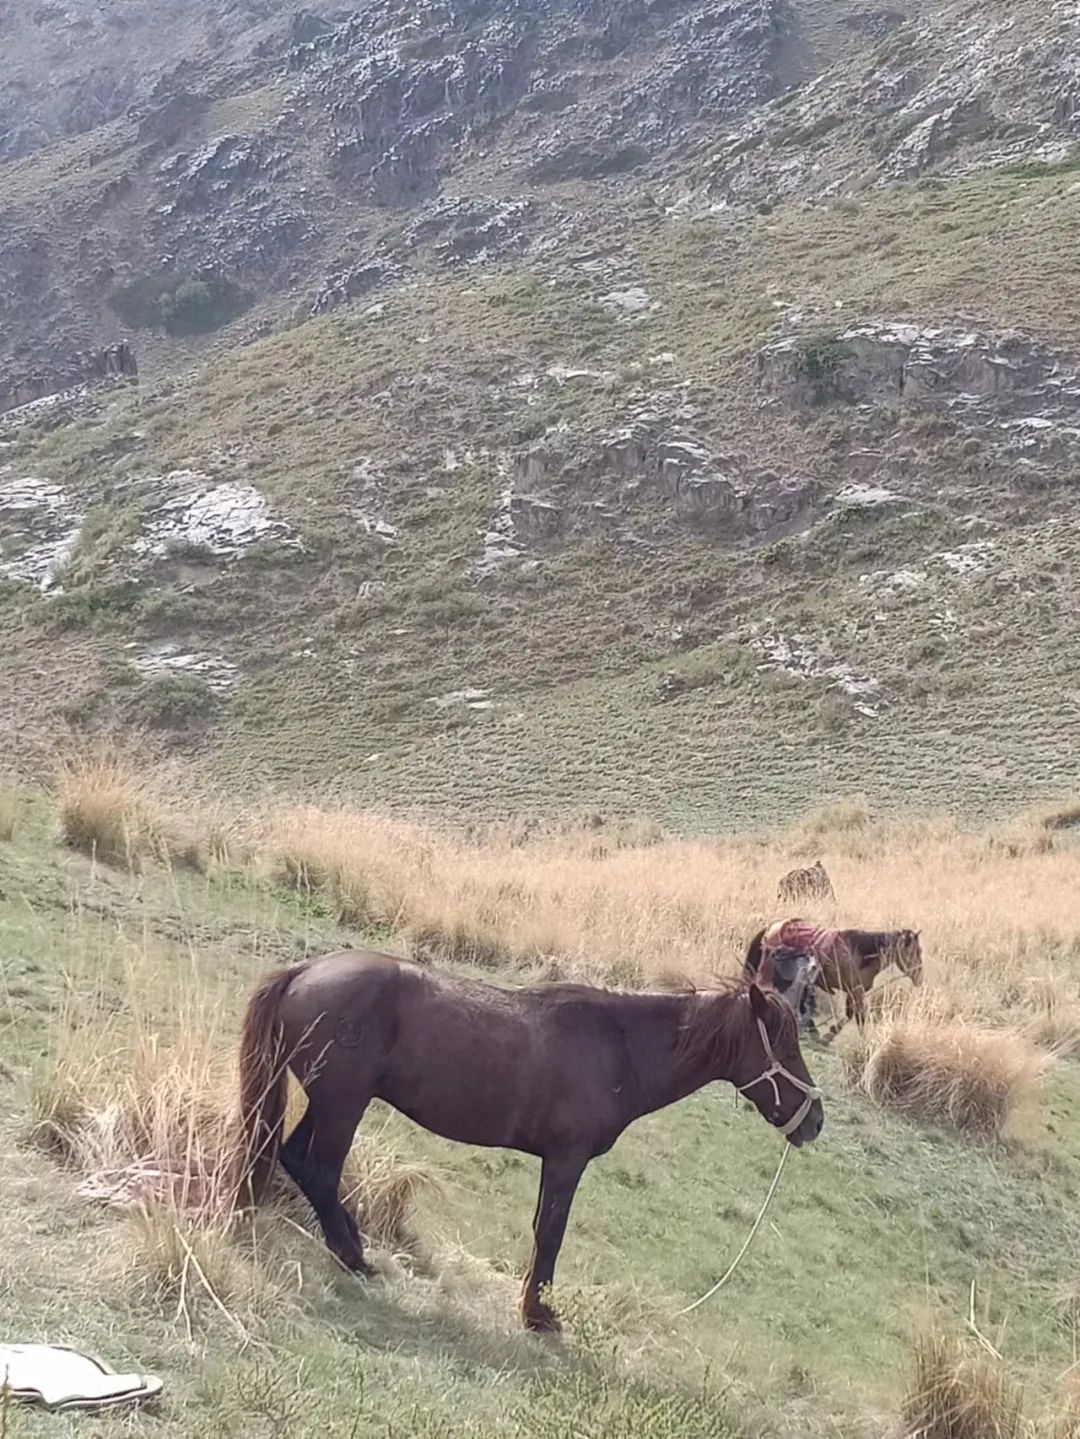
[(752, 962), (263, 1077)]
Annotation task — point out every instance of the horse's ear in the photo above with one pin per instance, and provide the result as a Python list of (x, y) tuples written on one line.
[(758, 1003)]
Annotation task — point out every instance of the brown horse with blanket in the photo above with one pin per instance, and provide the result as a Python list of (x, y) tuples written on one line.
[(847, 961)]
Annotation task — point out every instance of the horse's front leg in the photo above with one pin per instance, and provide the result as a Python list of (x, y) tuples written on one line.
[(857, 1006), (559, 1178), (837, 1020)]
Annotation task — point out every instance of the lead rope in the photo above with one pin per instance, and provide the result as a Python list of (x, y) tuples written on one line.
[(810, 1093), (746, 1242)]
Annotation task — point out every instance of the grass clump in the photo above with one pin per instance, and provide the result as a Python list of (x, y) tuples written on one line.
[(109, 808), (822, 357), (974, 1079), (959, 1391), (172, 701), (9, 812), (137, 1102)]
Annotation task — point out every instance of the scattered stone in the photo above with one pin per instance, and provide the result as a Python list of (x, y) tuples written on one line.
[(634, 300), (858, 496), (221, 519), (522, 519), (969, 559), (112, 364), (39, 530), (796, 655), (563, 373), (894, 582), (720, 490), (472, 699), (977, 375), (167, 658), (346, 285)]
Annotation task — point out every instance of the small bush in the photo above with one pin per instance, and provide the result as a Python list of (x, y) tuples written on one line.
[(971, 1078), (90, 605), (172, 701), (105, 532), (180, 304), (822, 357)]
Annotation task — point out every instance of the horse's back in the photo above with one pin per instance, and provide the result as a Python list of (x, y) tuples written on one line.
[(348, 987)]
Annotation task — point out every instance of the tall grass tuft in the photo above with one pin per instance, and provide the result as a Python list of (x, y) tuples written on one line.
[(137, 1101), (959, 1391), (975, 1079), (8, 816), (109, 808)]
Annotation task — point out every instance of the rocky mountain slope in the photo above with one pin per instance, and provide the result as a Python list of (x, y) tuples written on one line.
[(636, 405)]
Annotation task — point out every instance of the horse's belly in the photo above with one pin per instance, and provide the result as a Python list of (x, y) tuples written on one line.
[(471, 1120)]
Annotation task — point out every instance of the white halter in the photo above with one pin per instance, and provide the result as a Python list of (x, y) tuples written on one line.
[(810, 1091)]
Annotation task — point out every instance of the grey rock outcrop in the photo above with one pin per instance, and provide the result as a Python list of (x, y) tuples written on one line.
[(111, 364), (919, 365), (719, 490)]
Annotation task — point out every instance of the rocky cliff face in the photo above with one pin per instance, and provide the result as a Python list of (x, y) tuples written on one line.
[(367, 146), (321, 153), (513, 376)]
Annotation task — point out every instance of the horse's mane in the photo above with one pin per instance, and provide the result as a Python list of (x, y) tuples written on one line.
[(716, 1028)]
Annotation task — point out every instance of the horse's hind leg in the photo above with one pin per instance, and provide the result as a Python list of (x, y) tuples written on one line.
[(314, 1157)]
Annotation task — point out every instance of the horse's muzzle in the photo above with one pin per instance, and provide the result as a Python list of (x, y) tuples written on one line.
[(810, 1128)]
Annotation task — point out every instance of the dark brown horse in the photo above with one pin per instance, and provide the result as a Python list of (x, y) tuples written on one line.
[(557, 1071), (848, 960)]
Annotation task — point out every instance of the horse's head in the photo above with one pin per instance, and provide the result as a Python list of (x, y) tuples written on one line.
[(907, 953), (771, 1072), (791, 972)]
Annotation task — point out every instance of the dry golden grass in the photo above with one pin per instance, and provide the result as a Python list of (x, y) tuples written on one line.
[(112, 809), (961, 1387), (958, 1390), (140, 1110), (999, 931), (1000, 924), (621, 904), (976, 1079), (1066, 1424)]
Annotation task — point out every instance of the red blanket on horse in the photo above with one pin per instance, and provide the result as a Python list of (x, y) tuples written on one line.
[(823, 944)]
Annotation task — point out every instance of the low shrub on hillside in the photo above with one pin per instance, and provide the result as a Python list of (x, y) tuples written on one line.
[(180, 304), (972, 1078), (172, 701)]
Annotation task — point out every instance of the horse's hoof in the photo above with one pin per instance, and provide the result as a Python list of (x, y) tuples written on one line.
[(355, 1264), (541, 1320)]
